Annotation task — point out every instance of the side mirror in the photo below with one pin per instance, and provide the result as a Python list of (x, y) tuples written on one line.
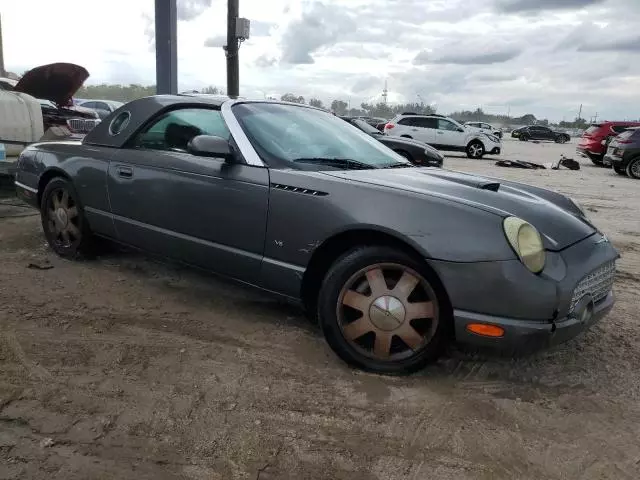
[(210, 146)]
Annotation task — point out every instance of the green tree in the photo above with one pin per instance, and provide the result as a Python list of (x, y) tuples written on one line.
[(290, 97), (339, 107), (314, 102)]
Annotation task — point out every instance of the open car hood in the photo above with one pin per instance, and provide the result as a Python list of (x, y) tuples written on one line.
[(57, 82)]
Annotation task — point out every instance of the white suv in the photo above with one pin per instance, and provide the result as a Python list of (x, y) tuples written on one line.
[(444, 133)]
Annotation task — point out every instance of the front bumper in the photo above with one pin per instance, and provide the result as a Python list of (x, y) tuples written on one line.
[(531, 309), (522, 336)]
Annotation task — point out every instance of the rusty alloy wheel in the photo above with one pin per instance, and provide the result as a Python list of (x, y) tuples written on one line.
[(388, 312), (62, 218)]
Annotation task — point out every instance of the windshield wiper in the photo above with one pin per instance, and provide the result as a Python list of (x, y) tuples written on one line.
[(345, 163), (399, 165)]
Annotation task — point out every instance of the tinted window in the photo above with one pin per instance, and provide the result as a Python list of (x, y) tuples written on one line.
[(426, 122), (619, 128), (174, 130), (119, 123), (407, 121), (592, 129), (102, 106), (89, 105), (446, 125)]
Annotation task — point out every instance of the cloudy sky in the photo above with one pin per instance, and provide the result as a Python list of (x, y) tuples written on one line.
[(524, 56)]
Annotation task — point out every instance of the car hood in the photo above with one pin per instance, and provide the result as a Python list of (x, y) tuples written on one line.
[(412, 142), (558, 226), (57, 82)]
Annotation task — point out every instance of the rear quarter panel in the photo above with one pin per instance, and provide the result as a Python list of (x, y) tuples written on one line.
[(85, 166)]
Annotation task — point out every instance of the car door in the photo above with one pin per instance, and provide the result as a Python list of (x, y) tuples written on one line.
[(449, 134), (423, 129), (200, 210)]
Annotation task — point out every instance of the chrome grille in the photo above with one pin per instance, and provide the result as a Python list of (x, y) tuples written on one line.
[(82, 125), (598, 284)]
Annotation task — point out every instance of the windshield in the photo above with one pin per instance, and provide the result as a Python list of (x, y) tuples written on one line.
[(365, 127), (300, 137)]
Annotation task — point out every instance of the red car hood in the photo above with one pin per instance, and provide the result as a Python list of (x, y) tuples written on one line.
[(57, 82)]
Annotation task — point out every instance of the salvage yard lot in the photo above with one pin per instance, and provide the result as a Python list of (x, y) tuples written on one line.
[(125, 368)]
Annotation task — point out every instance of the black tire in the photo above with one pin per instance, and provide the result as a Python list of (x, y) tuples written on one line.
[(524, 137), (333, 310), (78, 238), (620, 170), (561, 139), (633, 168), (475, 149), (597, 160)]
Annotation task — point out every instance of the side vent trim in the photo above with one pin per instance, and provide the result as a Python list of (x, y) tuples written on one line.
[(304, 191)]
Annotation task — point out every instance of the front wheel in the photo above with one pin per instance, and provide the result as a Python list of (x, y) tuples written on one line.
[(620, 170), (633, 168), (383, 311), (63, 221), (561, 139), (475, 149), (524, 138)]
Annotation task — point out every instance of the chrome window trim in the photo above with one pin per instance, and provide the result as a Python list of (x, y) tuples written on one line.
[(25, 187), (248, 152)]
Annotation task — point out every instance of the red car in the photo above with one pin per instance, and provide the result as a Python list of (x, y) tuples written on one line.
[(595, 139)]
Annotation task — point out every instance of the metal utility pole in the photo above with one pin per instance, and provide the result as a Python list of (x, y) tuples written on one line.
[(580, 113), (233, 62), (3, 72), (166, 47), (595, 119)]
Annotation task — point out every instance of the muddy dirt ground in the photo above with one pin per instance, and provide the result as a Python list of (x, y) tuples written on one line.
[(125, 368)]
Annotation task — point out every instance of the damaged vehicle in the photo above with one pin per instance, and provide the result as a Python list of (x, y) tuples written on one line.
[(54, 86), (393, 260)]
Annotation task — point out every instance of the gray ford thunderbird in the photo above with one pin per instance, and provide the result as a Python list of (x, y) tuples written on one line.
[(393, 260)]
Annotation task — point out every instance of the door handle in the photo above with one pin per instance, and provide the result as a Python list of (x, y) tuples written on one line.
[(415, 129), (440, 133), (125, 172)]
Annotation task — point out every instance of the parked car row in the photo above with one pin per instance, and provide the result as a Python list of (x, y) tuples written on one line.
[(392, 260), (595, 140)]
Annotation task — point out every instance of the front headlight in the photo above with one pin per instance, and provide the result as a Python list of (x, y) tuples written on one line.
[(526, 242), (493, 138)]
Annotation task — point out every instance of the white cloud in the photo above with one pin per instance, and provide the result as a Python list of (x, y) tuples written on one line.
[(540, 56)]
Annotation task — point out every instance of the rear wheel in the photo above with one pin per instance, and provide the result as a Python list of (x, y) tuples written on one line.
[(63, 221), (383, 311), (475, 149), (561, 139), (633, 168), (597, 160)]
